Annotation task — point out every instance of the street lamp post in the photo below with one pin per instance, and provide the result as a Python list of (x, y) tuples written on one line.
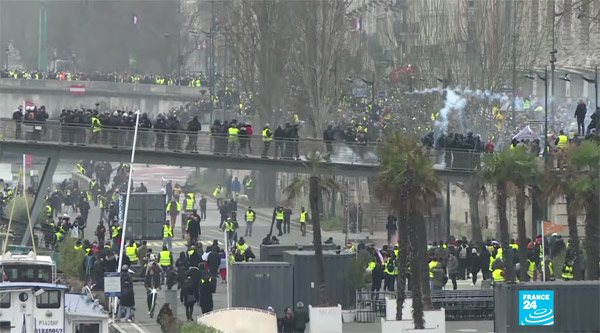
[(545, 79), (595, 82)]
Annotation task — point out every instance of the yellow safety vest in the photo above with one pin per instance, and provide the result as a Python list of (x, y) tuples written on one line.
[(567, 272), (250, 216), (249, 184), (167, 231), (229, 226), (48, 211), (241, 248), (165, 258), (233, 132), (432, 265), (169, 207), (497, 275), (130, 252), (267, 135), (280, 215), (563, 141), (115, 232), (303, 217), (189, 204), (96, 125), (78, 247), (217, 191), (80, 169), (531, 270)]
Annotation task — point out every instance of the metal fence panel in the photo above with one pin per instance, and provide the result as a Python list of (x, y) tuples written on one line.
[(337, 285), (576, 306), (261, 284), (146, 215)]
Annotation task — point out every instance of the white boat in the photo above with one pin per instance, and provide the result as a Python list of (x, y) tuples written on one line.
[(32, 301)]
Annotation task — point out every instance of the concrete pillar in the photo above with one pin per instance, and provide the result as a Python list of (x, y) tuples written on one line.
[(38, 201)]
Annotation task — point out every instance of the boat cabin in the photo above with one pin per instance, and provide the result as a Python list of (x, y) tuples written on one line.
[(27, 268)]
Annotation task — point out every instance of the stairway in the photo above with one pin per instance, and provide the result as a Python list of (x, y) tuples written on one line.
[(379, 211)]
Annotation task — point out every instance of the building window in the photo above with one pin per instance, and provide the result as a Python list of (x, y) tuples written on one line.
[(48, 300), (87, 328), (4, 300)]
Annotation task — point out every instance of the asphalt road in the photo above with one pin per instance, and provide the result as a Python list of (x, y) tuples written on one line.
[(151, 177)]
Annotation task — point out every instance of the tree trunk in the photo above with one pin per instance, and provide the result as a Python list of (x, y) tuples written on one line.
[(417, 278), (573, 235), (522, 234), (503, 225), (315, 200), (424, 260), (592, 236), (474, 195), (401, 262)]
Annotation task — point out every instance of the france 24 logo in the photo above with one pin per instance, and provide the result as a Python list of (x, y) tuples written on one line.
[(536, 307)]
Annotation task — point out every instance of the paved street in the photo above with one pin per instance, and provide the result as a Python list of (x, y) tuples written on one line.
[(151, 176)]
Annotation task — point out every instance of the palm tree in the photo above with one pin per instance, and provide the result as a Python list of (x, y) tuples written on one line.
[(408, 184), (557, 184), (511, 170), (586, 160), (317, 184), (475, 189)]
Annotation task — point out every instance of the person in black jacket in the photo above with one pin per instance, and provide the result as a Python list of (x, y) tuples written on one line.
[(208, 286), (193, 127), (152, 284), (300, 318), (214, 261), (279, 137), (580, 112), (189, 297), (287, 322)]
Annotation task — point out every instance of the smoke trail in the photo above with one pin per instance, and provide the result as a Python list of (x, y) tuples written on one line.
[(480, 94)]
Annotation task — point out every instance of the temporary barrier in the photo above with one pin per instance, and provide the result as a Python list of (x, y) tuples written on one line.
[(147, 215), (558, 306), (275, 252), (261, 284), (338, 288)]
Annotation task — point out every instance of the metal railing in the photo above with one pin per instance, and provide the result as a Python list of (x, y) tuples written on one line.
[(222, 144)]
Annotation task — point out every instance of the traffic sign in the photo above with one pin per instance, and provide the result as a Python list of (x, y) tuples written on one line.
[(112, 284), (536, 307)]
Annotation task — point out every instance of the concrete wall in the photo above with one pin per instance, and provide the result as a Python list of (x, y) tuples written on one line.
[(55, 95)]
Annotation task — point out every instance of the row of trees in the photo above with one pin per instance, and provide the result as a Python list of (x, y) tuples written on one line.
[(407, 183)]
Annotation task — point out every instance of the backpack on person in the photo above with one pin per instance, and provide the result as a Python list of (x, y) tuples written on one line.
[(462, 254)]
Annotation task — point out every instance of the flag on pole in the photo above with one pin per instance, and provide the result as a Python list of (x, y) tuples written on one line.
[(134, 19), (357, 24)]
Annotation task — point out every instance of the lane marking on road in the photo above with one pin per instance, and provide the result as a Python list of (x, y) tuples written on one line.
[(467, 330), (137, 327)]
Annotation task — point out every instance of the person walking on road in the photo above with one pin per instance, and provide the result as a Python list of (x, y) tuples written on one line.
[(303, 220), (189, 297), (165, 261), (167, 235), (250, 218), (202, 204), (278, 219), (287, 217), (231, 227), (173, 209), (208, 286), (152, 285)]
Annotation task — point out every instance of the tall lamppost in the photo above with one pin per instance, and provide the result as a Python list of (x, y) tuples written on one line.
[(545, 79), (595, 82)]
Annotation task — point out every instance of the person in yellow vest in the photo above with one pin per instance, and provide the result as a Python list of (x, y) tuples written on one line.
[(250, 218), (219, 194), (241, 246), (49, 212), (436, 273), (230, 227), (131, 251), (267, 136), (391, 272), (278, 217), (80, 168), (96, 128), (234, 142), (561, 143), (58, 238), (167, 235), (165, 261), (173, 209), (188, 208), (78, 245), (303, 220), (531, 269), (498, 275), (567, 271)]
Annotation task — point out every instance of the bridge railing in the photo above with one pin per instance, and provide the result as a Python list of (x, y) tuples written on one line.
[(204, 143)]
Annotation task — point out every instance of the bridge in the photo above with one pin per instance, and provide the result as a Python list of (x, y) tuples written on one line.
[(56, 94), (57, 141)]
